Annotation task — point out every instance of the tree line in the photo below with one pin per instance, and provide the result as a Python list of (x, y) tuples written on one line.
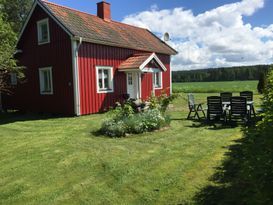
[(222, 74)]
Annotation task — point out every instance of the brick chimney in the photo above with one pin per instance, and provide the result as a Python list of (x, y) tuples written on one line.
[(104, 11)]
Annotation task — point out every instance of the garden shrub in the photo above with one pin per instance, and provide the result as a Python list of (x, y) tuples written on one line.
[(138, 123), (127, 119), (267, 122)]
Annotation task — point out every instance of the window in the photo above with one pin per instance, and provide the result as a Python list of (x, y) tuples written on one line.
[(43, 32), (130, 79), (104, 79), (46, 85), (158, 80), (13, 79)]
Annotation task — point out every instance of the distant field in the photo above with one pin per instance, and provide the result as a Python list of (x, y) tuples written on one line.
[(215, 87)]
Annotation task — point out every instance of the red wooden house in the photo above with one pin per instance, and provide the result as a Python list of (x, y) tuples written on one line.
[(78, 64)]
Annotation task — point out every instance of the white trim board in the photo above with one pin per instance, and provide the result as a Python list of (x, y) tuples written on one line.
[(41, 80), (75, 72), (39, 31), (153, 56), (111, 80)]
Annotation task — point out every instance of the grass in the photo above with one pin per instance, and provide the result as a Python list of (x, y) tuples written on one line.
[(63, 160), (215, 87)]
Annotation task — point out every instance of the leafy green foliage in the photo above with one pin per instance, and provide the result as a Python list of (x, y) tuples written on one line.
[(7, 48), (267, 105), (15, 12), (122, 123), (261, 83), (161, 102)]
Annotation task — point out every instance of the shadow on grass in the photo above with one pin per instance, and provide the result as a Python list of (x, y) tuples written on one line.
[(246, 175), (218, 125), (11, 117)]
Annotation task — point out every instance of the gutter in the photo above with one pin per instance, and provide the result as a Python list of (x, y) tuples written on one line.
[(75, 45)]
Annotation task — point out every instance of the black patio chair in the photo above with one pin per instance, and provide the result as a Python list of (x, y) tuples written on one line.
[(225, 96), (247, 94), (238, 108), (194, 108), (249, 98), (215, 108)]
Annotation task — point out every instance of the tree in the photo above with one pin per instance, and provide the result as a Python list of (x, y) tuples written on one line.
[(262, 83), (7, 62), (15, 12)]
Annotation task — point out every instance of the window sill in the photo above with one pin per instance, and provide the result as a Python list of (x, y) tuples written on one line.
[(158, 88), (106, 91), (47, 93), (43, 43)]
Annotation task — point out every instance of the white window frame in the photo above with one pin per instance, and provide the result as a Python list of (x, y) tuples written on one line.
[(160, 80), (13, 79), (111, 79), (41, 79), (39, 31)]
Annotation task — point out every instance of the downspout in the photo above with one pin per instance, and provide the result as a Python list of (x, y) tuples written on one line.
[(76, 43), (171, 77)]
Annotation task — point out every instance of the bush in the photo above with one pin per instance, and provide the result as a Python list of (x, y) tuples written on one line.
[(262, 83), (162, 102), (267, 122), (114, 128), (137, 123)]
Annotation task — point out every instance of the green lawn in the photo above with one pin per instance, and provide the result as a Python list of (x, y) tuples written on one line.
[(64, 161), (215, 87)]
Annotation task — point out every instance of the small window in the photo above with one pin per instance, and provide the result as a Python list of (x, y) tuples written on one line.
[(43, 32), (104, 79), (130, 79), (13, 79), (158, 80), (46, 85)]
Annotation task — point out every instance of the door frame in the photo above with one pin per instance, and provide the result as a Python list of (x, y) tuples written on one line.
[(137, 79)]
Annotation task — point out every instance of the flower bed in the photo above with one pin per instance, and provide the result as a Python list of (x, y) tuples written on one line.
[(126, 119)]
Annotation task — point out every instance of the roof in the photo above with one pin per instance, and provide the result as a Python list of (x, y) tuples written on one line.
[(139, 61), (96, 30)]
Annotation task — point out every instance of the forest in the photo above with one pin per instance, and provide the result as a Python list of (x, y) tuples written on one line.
[(221, 74)]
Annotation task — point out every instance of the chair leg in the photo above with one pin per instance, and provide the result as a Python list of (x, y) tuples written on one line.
[(197, 115), (208, 116), (253, 110), (201, 109), (189, 115)]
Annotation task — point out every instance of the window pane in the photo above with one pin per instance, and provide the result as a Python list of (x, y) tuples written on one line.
[(45, 76), (100, 79), (130, 79), (44, 32), (49, 81), (106, 79), (157, 80)]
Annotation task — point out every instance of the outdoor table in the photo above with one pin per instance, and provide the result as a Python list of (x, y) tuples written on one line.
[(250, 107)]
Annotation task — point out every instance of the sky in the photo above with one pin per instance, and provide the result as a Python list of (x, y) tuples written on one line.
[(206, 33)]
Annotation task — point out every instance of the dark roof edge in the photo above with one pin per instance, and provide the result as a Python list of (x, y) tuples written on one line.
[(175, 51)]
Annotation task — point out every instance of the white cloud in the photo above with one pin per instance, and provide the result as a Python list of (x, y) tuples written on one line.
[(215, 38)]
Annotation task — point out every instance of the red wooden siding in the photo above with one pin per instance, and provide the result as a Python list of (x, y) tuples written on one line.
[(92, 55), (146, 85), (56, 54), (166, 76)]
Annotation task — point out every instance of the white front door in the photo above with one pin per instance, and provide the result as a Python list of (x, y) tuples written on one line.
[(132, 85)]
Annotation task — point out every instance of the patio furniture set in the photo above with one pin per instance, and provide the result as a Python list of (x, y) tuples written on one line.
[(226, 107)]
